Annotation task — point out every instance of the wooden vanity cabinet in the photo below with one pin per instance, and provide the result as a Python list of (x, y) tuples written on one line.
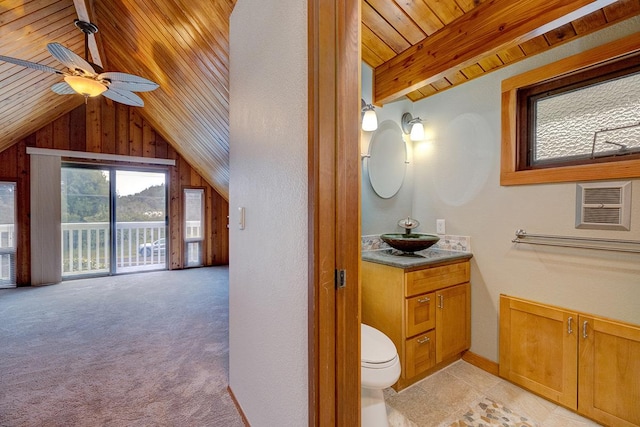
[(609, 371), (538, 349), (426, 311), (453, 320), (586, 363)]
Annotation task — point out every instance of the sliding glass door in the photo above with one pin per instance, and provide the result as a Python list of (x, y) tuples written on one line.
[(113, 221), (7, 234), (140, 221), (86, 232)]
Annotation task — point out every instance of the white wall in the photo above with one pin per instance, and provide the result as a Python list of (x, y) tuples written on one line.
[(382, 215), (456, 177), (268, 166)]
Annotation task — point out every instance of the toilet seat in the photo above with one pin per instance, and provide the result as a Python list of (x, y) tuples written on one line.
[(377, 350), (379, 369)]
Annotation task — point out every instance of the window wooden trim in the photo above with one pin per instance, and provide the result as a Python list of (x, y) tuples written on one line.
[(509, 175)]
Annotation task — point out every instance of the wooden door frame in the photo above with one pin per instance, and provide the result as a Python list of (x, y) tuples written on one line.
[(334, 211)]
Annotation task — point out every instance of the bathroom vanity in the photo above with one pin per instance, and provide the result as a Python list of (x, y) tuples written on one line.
[(422, 302)]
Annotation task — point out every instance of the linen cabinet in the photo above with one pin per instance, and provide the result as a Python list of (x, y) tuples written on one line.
[(586, 363)]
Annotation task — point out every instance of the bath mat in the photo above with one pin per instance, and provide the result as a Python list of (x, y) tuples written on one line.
[(487, 412)]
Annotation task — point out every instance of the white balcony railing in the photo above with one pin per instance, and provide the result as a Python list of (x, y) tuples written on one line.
[(139, 246), (86, 247)]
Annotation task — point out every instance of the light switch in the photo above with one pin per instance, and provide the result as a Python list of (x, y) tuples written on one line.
[(241, 218)]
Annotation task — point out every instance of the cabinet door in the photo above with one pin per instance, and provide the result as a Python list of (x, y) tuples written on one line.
[(609, 373), (538, 349), (421, 314), (453, 321), (420, 354)]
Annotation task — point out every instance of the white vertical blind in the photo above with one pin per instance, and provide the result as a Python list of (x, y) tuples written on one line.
[(46, 263)]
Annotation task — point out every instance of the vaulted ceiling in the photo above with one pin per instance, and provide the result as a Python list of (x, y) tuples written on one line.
[(182, 45), (417, 48)]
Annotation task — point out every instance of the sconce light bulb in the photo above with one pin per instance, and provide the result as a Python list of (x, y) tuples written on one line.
[(417, 132), (370, 121)]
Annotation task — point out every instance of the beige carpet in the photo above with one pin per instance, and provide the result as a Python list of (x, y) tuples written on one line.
[(146, 349)]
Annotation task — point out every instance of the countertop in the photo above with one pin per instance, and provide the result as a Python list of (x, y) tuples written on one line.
[(426, 258)]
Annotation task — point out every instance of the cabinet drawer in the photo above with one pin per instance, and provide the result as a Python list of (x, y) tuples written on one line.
[(421, 354), (430, 279), (421, 314)]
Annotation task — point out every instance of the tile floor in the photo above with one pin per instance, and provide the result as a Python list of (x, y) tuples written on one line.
[(445, 396)]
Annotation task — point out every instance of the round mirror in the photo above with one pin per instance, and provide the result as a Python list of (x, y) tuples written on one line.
[(387, 159)]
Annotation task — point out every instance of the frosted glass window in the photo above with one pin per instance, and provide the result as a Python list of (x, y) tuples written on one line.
[(593, 121), (588, 117)]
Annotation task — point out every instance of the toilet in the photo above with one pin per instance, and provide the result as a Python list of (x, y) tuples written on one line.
[(379, 369)]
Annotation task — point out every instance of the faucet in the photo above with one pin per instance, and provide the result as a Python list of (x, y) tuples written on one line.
[(408, 224)]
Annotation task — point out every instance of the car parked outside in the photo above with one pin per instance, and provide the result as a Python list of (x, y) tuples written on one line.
[(156, 247)]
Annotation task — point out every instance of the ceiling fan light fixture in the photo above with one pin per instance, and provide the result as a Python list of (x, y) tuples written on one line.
[(85, 86)]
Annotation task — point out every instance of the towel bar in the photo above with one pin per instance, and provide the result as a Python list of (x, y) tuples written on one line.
[(616, 245)]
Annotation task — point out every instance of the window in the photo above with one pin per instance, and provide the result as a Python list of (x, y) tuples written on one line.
[(588, 117), (7, 234), (573, 120), (193, 226)]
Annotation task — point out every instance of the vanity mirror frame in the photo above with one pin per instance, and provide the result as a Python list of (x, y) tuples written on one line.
[(387, 159)]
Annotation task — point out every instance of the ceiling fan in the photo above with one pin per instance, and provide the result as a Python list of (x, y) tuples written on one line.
[(89, 79)]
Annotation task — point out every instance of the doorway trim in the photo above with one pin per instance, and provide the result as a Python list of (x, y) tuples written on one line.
[(334, 211)]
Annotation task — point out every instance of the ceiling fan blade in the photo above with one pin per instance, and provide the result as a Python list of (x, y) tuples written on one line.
[(124, 97), (70, 59), (29, 64), (63, 88), (130, 82)]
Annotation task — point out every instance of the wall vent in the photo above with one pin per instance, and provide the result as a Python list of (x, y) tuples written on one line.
[(603, 205)]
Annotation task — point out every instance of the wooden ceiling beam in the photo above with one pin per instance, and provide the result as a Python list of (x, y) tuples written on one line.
[(490, 27)]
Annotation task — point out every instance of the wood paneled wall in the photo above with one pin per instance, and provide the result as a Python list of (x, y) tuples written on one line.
[(99, 127)]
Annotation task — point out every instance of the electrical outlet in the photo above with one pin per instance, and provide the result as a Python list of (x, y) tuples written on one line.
[(440, 226)]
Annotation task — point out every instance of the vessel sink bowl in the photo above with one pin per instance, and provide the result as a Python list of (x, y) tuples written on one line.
[(411, 242)]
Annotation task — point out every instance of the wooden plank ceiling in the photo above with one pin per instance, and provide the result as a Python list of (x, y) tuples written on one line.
[(393, 27), (183, 45)]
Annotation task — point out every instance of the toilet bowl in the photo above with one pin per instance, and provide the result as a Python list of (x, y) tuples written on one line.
[(379, 369)]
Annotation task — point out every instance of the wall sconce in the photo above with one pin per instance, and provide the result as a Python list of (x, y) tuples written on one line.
[(369, 119), (412, 127)]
